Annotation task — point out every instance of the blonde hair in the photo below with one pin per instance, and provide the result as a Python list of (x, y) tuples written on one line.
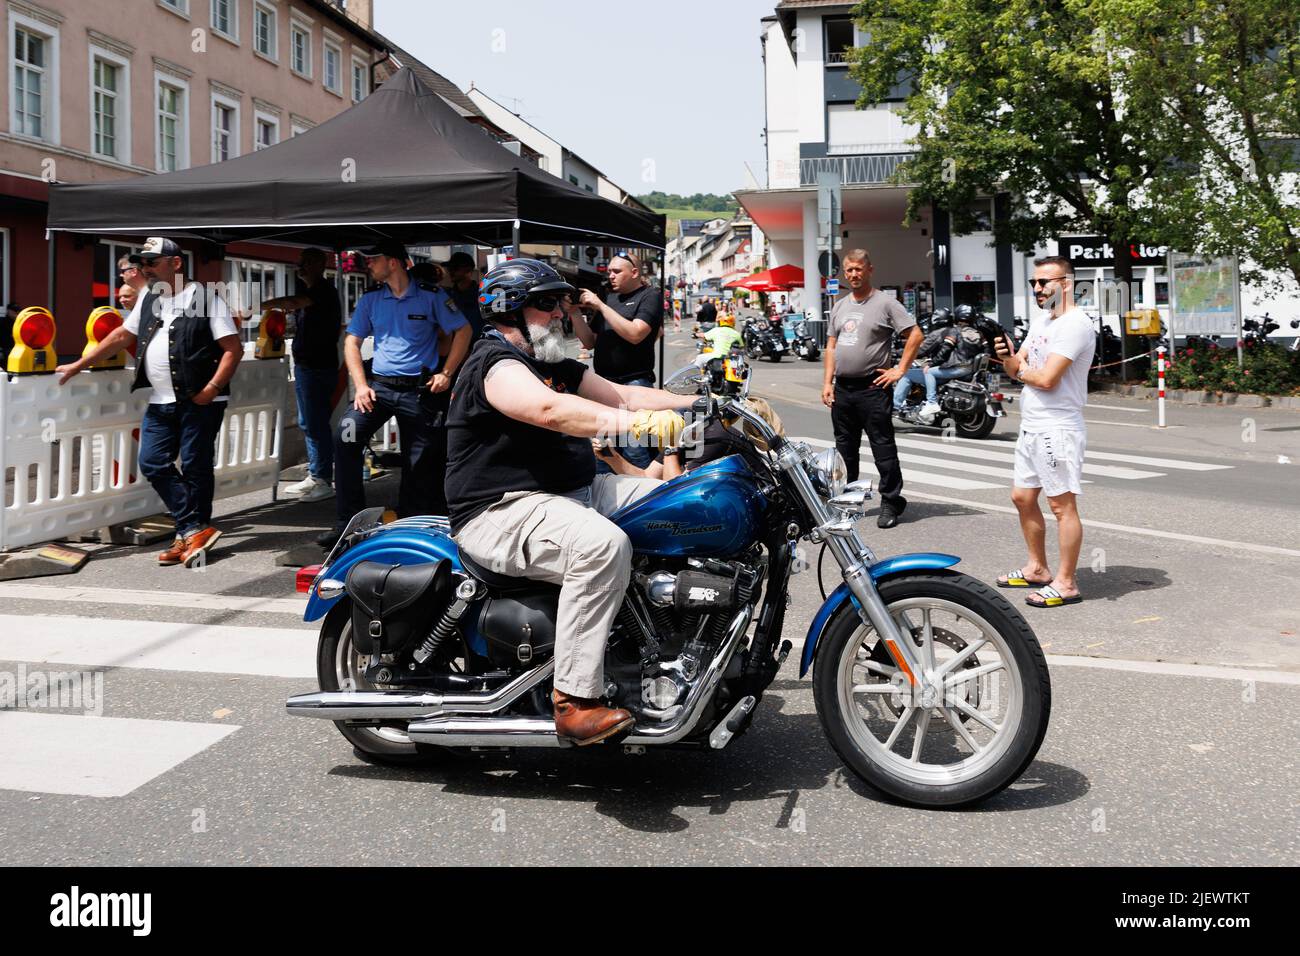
[(761, 408)]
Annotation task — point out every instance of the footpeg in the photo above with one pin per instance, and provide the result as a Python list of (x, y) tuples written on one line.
[(723, 733)]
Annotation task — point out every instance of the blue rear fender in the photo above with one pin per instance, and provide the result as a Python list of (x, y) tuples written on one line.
[(926, 561), (398, 546)]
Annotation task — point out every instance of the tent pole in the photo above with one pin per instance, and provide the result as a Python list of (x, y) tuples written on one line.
[(514, 240), (663, 288), (51, 285)]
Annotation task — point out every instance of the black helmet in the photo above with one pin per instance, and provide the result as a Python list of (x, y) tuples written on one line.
[(940, 317), (506, 287), (965, 313)]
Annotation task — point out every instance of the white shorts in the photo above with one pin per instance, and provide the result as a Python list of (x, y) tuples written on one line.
[(1051, 460)]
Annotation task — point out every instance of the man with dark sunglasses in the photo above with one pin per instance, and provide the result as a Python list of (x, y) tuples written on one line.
[(623, 330), (1053, 365)]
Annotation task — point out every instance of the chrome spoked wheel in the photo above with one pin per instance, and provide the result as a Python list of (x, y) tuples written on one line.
[(981, 724), (965, 732), (349, 672)]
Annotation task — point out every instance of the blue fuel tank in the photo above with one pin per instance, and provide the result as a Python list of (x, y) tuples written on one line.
[(714, 511)]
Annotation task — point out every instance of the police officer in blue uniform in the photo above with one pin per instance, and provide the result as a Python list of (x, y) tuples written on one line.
[(407, 381)]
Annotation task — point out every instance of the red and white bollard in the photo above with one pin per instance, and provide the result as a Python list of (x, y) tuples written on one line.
[(1160, 381)]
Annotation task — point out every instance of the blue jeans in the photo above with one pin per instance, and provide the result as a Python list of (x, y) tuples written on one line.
[(189, 431), (421, 424), (930, 377), (314, 388), (642, 456)]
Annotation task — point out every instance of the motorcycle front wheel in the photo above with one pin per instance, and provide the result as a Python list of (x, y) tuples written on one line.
[(975, 740), (341, 667)]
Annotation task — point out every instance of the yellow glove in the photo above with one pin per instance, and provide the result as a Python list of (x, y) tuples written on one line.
[(665, 426)]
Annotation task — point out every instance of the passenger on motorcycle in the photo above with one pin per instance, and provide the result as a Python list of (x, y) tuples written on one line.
[(523, 496), (948, 352), (723, 337)]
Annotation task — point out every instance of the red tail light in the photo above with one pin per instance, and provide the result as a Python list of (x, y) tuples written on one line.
[(305, 576), (996, 396)]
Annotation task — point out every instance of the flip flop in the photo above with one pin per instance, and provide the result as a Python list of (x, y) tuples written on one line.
[(1051, 598), (1017, 579)]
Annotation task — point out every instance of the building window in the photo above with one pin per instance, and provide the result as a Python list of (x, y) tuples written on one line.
[(171, 127), (573, 179), (297, 130), (225, 129), (300, 50), (839, 40), (268, 131), (180, 6), (332, 68), (224, 14), (264, 39), (360, 81), (32, 77), (105, 82)]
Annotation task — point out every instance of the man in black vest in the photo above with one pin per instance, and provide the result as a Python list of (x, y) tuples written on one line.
[(189, 351)]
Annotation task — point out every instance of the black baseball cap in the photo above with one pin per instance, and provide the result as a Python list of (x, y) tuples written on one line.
[(155, 247), (389, 247)]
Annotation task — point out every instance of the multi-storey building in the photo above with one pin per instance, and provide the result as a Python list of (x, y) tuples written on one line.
[(104, 91)]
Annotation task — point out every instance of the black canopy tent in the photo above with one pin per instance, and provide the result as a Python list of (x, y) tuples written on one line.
[(400, 164)]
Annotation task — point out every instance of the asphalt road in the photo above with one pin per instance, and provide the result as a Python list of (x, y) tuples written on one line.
[(1173, 736)]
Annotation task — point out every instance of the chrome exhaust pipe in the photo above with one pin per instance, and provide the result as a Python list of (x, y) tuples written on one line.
[(406, 705), (455, 731)]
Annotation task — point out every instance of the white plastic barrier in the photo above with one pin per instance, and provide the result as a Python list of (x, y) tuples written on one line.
[(69, 454)]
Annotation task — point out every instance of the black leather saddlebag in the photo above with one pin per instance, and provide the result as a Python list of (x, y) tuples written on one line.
[(396, 604), (519, 626)]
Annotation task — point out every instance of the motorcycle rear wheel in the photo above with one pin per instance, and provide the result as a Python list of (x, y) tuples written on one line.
[(340, 667), (997, 697), (980, 427)]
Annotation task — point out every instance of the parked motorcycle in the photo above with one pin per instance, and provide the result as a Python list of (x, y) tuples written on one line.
[(971, 403), (799, 340), (927, 682), (763, 340)]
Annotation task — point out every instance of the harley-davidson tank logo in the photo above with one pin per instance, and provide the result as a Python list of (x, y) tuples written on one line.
[(678, 528)]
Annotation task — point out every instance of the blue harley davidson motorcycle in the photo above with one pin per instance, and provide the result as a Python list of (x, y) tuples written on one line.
[(928, 683)]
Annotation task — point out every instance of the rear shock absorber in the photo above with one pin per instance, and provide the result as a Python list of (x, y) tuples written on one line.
[(466, 591)]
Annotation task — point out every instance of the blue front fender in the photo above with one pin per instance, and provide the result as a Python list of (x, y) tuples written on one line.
[(398, 546), (928, 561)]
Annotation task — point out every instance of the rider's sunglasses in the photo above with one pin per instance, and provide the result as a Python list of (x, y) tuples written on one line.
[(547, 303), (1035, 283)]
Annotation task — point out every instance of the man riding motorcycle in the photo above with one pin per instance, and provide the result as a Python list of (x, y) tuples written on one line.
[(723, 337), (947, 352), (523, 496)]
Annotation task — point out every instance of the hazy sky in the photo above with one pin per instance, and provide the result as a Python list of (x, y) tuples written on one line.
[(688, 74)]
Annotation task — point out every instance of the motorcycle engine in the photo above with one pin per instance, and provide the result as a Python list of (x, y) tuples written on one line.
[(669, 629)]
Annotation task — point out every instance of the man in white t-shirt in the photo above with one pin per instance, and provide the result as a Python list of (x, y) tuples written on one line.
[(1053, 364), (189, 351)]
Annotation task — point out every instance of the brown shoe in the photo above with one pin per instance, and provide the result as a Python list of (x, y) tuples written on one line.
[(173, 554), (197, 544), (585, 721)]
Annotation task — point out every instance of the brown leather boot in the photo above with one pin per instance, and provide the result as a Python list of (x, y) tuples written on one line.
[(197, 545), (173, 554), (585, 721)]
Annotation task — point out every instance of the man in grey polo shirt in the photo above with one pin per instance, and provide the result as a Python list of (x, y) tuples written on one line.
[(859, 383)]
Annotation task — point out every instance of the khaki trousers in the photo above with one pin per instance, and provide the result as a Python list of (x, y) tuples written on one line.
[(566, 540)]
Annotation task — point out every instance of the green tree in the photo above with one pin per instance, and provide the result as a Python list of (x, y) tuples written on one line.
[(1021, 97), (1221, 86)]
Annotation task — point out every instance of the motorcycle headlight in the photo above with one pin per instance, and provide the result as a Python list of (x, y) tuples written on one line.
[(829, 473), (801, 329)]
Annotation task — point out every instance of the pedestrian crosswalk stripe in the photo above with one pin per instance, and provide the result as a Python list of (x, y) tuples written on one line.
[(140, 598), (95, 756), (155, 645), (1105, 471), (911, 474), (1177, 464)]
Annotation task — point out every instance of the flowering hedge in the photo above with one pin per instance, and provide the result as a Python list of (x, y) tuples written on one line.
[(1267, 369)]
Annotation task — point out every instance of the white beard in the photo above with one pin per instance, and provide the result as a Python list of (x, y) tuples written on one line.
[(548, 343)]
